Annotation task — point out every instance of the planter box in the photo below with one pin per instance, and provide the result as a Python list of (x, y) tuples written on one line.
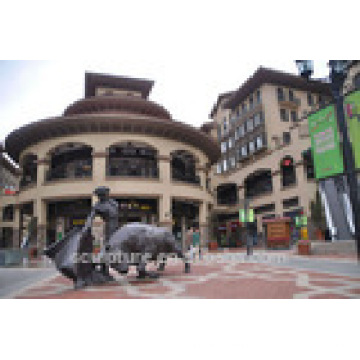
[(304, 249), (213, 245)]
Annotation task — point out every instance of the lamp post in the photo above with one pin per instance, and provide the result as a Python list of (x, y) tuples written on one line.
[(337, 77)]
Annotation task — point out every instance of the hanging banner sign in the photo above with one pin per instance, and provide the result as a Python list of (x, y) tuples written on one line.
[(248, 217), (352, 114), (325, 143)]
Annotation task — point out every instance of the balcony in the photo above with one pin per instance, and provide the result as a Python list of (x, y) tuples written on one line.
[(288, 101), (193, 180), (145, 173), (83, 172)]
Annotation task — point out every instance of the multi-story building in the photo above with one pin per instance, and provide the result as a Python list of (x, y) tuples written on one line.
[(263, 135), (155, 167), (9, 183)]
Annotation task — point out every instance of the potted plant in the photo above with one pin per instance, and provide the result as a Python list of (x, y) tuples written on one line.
[(304, 247), (318, 217), (213, 245)]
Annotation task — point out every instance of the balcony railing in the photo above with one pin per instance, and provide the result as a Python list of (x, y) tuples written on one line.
[(54, 175), (287, 99), (194, 180), (138, 173)]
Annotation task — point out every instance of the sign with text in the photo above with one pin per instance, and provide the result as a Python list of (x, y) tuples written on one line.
[(352, 114), (248, 217), (325, 143)]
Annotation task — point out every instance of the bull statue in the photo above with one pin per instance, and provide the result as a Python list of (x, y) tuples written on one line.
[(132, 245)]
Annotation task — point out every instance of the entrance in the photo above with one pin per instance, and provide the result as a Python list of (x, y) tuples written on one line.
[(133, 210)]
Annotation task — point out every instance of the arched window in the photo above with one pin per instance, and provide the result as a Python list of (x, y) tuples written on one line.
[(134, 160), (227, 194), (288, 172), (29, 170), (183, 167), (70, 161), (258, 183)]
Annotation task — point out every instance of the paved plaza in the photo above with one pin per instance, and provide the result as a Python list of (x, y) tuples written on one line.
[(293, 277)]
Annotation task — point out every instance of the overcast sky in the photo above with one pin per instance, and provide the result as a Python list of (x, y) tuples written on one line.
[(193, 50), (34, 90)]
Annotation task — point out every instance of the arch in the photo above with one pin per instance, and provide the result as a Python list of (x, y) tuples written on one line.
[(288, 171), (28, 165), (70, 160), (134, 159), (227, 194), (258, 183), (183, 167)]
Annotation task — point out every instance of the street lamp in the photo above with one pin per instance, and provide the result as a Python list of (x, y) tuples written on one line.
[(338, 73), (306, 68)]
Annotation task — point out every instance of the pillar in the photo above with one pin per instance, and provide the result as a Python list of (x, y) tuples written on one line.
[(201, 171), (42, 169), (165, 211), (303, 187), (277, 186), (16, 227), (165, 169), (40, 212), (99, 168)]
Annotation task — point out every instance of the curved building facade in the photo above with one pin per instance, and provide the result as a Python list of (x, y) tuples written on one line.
[(157, 169)]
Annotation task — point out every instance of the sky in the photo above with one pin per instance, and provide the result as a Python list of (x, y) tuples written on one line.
[(36, 90), (193, 50)]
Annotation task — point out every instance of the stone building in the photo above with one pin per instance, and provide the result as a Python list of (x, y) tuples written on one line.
[(157, 168), (265, 146)]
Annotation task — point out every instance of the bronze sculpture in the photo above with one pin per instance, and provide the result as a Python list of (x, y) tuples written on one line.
[(138, 244)]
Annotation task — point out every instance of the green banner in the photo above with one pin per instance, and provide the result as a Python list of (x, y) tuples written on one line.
[(352, 113), (325, 143), (247, 218)]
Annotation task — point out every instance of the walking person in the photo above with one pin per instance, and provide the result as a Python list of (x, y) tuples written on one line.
[(196, 242)]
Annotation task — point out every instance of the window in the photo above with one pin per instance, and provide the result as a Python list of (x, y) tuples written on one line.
[(291, 95), (284, 115), (8, 213), (293, 116), (225, 126), (231, 143), (218, 168), (241, 131), (281, 95), (258, 96), (251, 147), (259, 142), (250, 125), (223, 147), (237, 134), (233, 162), (225, 165), (310, 99), (251, 102), (244, 151), (257, 119), (286, 138), (244, 108)]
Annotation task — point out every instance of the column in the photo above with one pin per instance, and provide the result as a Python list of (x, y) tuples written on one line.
[(165, 169), (16, 227), (204, 223), (99, 168), (165, 211), (40, 212), (303, 188), (201, 171), (277, 186), (42, 169)]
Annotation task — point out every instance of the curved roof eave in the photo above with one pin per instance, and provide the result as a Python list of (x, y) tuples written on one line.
[(42, 130)]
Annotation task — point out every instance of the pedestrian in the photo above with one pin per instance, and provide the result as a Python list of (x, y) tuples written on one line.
[(189, 243), (196, 242)]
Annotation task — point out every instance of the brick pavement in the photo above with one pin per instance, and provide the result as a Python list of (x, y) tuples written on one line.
[(211, 281)]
